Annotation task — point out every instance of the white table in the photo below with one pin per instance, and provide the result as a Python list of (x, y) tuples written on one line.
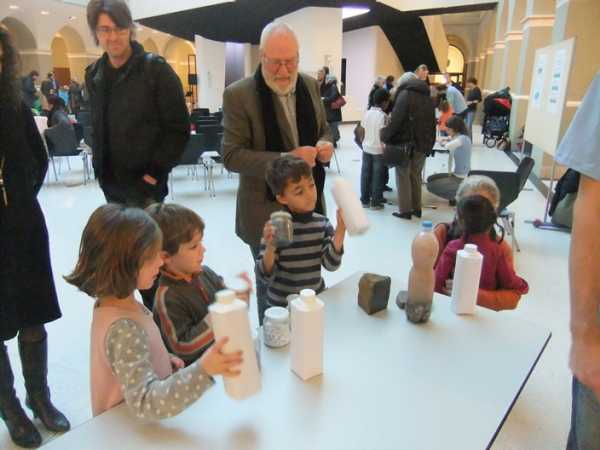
[(388, 384)]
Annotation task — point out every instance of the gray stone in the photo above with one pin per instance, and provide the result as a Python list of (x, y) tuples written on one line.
[(373, 292), (401, 299)]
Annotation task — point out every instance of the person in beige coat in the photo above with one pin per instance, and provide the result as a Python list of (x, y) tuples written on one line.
[(277, 110)]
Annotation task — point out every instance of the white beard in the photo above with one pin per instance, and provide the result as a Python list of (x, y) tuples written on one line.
[(276, 88)]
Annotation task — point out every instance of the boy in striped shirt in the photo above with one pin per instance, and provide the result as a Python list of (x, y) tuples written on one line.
[(290, 269)]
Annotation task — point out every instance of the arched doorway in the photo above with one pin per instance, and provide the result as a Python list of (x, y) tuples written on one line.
[(181, 55), (60, 60), (69, 57), (24, 42), (456, 65)]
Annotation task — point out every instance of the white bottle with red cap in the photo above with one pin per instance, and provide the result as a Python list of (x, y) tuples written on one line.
[(308, 329)]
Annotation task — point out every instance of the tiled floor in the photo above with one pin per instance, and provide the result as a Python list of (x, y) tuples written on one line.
[(540, 418)]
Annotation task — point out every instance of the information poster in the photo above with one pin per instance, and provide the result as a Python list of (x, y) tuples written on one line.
[(556, 82), (538, 81)]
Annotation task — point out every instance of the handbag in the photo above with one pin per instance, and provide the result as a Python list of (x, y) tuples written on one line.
[(338, 102), (359, 135), (399, 155)]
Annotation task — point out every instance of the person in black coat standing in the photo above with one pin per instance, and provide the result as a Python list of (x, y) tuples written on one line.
[(331, 93), (140, 122), (413, 119), (28, 297)]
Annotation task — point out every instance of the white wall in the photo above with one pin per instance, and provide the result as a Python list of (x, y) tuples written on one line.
[(360, 51), (235, 62), (368, 54), (319, 32), (210, 61), (141, 9)]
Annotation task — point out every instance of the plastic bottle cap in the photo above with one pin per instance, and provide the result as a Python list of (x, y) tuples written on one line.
[(308, 295), (225, 296), (471, 248), (427, 225)]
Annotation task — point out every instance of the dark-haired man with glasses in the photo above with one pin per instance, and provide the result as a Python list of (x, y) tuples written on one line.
[(140, 122), (277, 110)]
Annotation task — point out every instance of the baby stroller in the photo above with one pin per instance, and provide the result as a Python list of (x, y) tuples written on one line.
[(496, 121)]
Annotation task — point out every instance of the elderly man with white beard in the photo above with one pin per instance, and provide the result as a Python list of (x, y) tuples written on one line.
[(276, 111)]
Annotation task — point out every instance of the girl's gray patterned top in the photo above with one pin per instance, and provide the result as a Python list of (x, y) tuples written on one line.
[(146, 395)]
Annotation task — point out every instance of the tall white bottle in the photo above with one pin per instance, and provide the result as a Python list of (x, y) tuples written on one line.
[(308, 329), (354, 214), (465, 285), (229, 318)]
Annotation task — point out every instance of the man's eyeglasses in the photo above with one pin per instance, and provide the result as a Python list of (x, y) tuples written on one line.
[(275, 64), (107, 31)]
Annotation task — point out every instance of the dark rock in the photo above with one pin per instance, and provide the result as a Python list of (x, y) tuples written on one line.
[(373, 292)]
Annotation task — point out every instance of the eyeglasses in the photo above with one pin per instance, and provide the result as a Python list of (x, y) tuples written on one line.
[(107, 31), (275, 64)]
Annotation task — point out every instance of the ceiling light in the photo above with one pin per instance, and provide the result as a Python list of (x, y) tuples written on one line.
[(13, 7), (352, 11), (44, 13)]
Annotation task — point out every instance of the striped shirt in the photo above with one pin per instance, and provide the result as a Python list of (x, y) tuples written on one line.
[(298, 266), (181, 312)]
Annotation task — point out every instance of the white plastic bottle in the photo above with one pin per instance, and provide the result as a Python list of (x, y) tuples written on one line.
[(465, 285), (308, 329), (421, 279), (354, 214), (229, 318)]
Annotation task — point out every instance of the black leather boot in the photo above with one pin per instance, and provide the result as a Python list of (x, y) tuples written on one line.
[(21, 429), (34, 359)]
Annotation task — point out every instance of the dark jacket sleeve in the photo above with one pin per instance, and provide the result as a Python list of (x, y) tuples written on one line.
[(396, 129), (34, 140), (174, 119), (331, 93)]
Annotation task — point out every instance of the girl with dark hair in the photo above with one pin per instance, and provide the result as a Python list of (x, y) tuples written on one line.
[(477, 218), (27, 294), (459, 145)]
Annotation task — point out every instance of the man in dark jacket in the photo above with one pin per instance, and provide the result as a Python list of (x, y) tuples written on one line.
[(140, 121), (413, 120), (28, 88)]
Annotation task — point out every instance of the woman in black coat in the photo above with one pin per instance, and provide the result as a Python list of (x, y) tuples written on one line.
[(413, 118), (331, 93), (27, 294)]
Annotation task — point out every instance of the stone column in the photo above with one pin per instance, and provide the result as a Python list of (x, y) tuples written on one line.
[(537, 33)]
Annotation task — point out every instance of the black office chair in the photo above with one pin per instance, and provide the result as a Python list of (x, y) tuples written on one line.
[(62, 142), (510, 185)]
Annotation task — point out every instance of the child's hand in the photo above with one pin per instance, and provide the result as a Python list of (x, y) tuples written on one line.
[(245, 294), (176, 363), (215, 362), (269, 234), (341, 225)]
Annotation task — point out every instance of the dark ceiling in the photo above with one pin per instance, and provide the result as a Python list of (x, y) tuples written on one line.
[(243, 20)]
